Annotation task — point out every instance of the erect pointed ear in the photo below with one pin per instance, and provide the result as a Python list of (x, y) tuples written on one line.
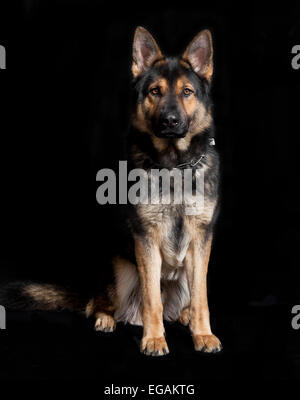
[(199, 53), (145, 51)]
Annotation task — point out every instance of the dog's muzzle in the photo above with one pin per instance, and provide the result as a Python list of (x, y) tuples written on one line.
[(171, 126)]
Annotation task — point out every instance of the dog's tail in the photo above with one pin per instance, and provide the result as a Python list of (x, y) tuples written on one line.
[(39, 296)]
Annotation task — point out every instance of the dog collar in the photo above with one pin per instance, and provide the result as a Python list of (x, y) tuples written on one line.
[(193, 164), (190, 164)]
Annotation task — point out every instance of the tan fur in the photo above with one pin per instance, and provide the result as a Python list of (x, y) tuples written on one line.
[(104, 322), (50, 297), (184, 64), (196, 264), (185, 316), (149, 266)]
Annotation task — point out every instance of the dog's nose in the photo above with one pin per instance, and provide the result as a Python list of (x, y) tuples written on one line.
[(170, 121)]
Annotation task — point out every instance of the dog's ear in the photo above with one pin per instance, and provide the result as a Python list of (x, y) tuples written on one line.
[(199, 54), (145, 51)]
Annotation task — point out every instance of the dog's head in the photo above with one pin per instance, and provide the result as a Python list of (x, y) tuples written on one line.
[(172, 94)]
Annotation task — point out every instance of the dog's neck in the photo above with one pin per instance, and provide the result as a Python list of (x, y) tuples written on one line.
[(143, 152)]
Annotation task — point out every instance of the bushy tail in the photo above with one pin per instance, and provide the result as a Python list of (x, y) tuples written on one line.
[(39, 296)]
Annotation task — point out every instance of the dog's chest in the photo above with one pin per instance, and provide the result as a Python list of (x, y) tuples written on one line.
[(174, 238), (174, 226)]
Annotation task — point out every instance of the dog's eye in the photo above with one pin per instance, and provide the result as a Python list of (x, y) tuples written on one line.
[(155, 91), (187, 92)]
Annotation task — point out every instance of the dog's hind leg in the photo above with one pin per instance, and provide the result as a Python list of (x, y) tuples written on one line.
[(127, 293), (102, 309)]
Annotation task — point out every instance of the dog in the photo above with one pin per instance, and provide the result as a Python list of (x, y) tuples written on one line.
[(162, 273)]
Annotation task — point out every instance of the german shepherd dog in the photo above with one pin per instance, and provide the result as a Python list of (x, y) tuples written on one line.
[(164, 276)]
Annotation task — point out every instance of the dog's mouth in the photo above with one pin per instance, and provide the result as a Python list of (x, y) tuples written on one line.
[(170, 134)]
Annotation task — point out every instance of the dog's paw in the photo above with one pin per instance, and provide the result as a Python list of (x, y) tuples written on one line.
[(207, 343), (184, 318), (105, 323), (154, 346)]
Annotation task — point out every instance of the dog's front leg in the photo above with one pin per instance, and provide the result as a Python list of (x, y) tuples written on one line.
[(149, 266), (196, 264)]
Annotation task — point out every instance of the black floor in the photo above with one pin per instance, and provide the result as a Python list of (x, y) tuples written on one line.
[(258, 343)]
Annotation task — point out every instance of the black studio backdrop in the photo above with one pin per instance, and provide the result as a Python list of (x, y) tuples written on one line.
[(64, 108)]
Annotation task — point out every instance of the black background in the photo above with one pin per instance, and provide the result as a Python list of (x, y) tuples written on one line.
[(64, 107)]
